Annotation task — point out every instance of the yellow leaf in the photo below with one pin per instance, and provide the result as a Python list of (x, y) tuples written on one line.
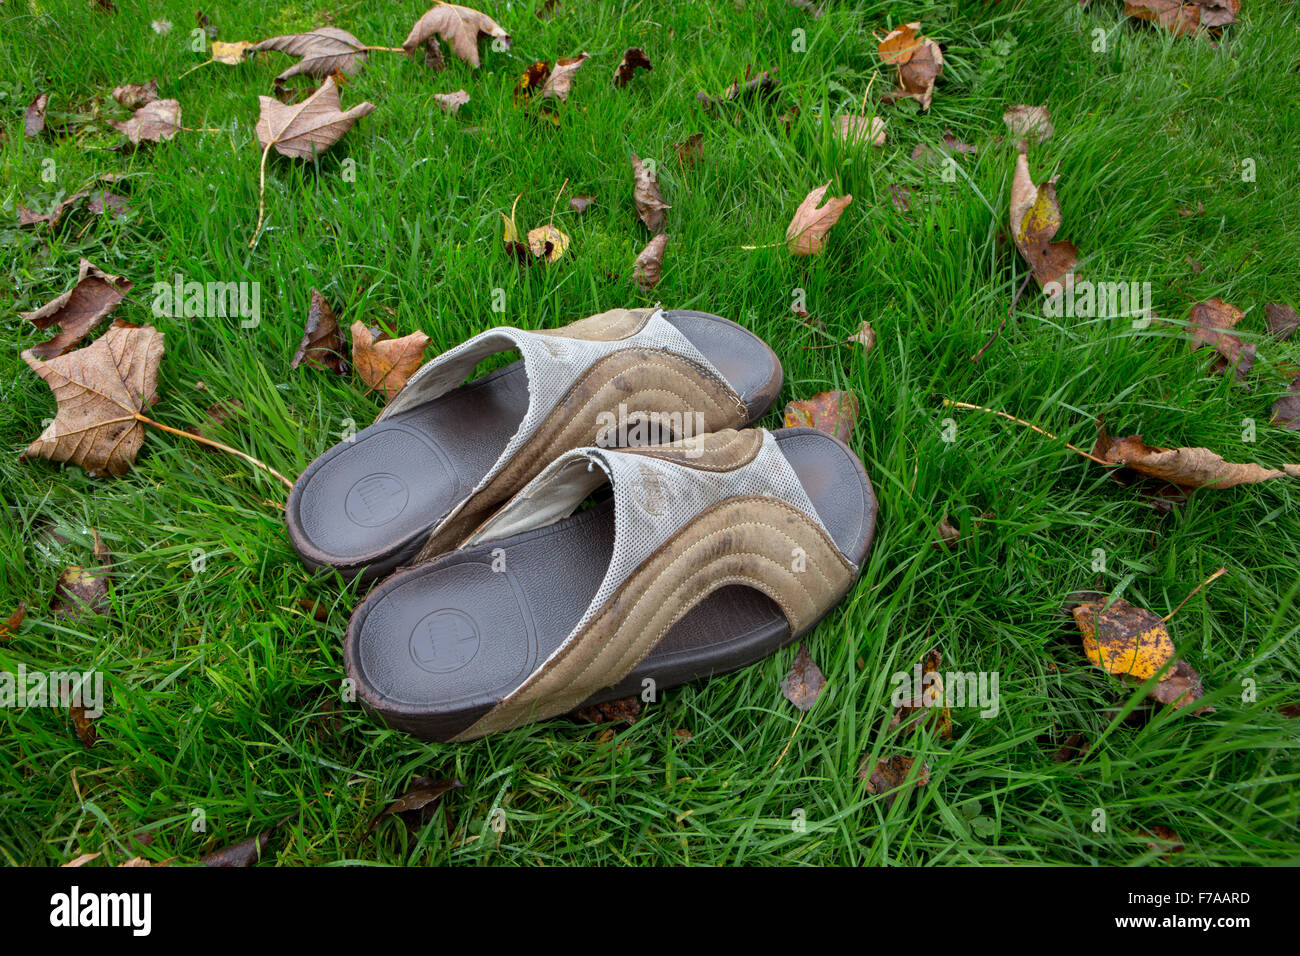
[(231, 54), (1123, 639), (547, 242)]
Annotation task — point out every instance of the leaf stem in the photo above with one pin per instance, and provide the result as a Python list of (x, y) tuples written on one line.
[(1029, 425), (261, 195), (215, 444), (1217, 574)]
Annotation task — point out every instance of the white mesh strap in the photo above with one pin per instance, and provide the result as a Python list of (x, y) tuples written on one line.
[(552, 364), (653, 500)]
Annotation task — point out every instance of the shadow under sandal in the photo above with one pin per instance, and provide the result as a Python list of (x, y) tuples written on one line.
[(446, 453), (704, 556)]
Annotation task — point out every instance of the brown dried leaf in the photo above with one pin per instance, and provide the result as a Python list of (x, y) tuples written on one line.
[(1182, 17), (451, 102), (650, 205), (947, 535), (306, 129), (152, 123), (1160, 837), (385, 363), (1035, 219), (1180, 687), (1281, 319), (244, 853), (691, 150), (1286, 410), (915, 713), (1210, 319), (1029, 124), (621, 711), (803, 685), (634, 59), (832, 412), (132, 96), (890, 775), (322, 342), (1185, 467), (561, 77), (579, 204), (458, 26), (864, 336), (100, 389), (9, 627), (83, 592), (918, 60), (99, 203), (324, 52), (85, 727), (34, 117), (807, 230), (415, 805), (853, 130), (79, 310), (649, 264)]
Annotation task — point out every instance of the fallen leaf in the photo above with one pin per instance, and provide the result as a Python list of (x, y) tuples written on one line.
[(1286, 410), (918, 60), (864, 336), (161, 27), (634, 59), (1073, 746), (306, 129), (832, 412), (385, 363), (650, 205), (547, 243), (928, 702), (83, 592), (34, 117), (1182, 686), (325, 51), (244, 853), (807, 230), (79, 310), (1029, 124), (84, 726), (1161, 837), (100, 201), (1123, 638), (100, 390), (762, 86), (1183, 18), (219, 415), (152, 123), (322, 343), (560, 78), (1281, 319), (82, 859), (460, 27), (947, 535), (415, 805), (803, 685), (451, 102), (853, 129), (132, 96), (1210, 319), (621, 711), (579, 204), (1185, 467), (649, 264), (890, 775), (900, 197), (9, 627), (1035, 220), (691, 150), (232, 54)]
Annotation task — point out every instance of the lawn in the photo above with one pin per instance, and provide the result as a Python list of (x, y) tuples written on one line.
[(224, 717)]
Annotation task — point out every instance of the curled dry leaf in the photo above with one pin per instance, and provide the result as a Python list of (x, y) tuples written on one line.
[(579, 204), (1035, 219), (650, 205), (1184, 467), (383, 363), (306, 129), (84, 725), (100, 391), (99, 202), (322, 341), (1281, 319), (1286, 410), (152, 123), (918, 60), (460, 27), (690, 150), (324, 52), (34, 117), (929, 700), (547, 243), (853, 129), (864, 336), (1182, 686), (132, 96), (1183, 17), (1210, 318), (1029, 124), (82, 592), (417, 803), (946, 535), (634, 59), (451, 102), (560, 78), (807, 231), (648, 268), (890, 775), (803, 685), (244, 853), (832, 412), (79, 310), (9, 626)]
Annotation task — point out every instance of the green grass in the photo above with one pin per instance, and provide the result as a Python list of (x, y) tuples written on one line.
[(222, 687)]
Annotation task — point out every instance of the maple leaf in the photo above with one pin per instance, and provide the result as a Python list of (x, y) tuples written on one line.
[(101, 391), (806, 233), (1035, 217), (79, 310), (385, 363), (460, 27), (304, 130), (152, 123), (324, 52), (322, 341), (918, 60)]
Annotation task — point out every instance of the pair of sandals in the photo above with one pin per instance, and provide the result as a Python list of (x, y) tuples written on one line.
[(544, 569)]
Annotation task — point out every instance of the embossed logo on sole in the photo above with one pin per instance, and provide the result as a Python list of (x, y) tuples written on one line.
[(376, 500), (444, 641)]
